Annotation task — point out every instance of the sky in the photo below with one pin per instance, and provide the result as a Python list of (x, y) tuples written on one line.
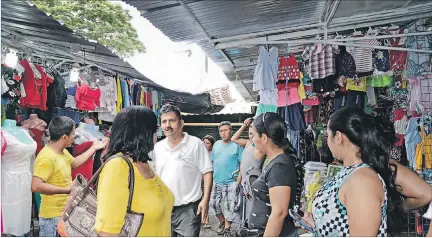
[(170, 64)]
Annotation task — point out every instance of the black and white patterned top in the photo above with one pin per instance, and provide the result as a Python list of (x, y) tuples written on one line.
[(331, 217)]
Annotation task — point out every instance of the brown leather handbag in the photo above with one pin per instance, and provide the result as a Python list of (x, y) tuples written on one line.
[(79, 217)]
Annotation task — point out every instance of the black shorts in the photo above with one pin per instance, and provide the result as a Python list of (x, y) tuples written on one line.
[(324, 85)]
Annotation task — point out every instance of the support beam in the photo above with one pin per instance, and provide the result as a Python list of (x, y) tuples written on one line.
[(384, 36), (209, 38), (340, 24), (49, 41), (407, 3), (263, 33), (59, 64), (345, 44), (314, 32), (332, 13), (324, 11)]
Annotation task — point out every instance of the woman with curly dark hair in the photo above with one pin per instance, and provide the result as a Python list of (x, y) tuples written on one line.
[(362, 199), (133, 135)]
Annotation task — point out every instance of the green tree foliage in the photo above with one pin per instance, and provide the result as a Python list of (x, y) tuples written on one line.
[(99, 20)]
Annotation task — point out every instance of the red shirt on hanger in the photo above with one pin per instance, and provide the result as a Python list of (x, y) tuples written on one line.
[(35, 89), (87, 98)]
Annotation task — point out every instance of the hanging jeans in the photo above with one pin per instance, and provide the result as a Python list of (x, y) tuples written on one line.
[(356, 98), (340, 100)]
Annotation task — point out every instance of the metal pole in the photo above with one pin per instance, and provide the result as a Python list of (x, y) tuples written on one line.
[(346, 44), (333, 10), (263, 33), (313, 32), (384, 36)]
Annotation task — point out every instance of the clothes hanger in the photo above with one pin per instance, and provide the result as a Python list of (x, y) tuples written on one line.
[(357, 33), (287, 51), (338, 36)]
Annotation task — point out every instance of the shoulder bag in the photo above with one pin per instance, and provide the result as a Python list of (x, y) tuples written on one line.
[(79, 217)]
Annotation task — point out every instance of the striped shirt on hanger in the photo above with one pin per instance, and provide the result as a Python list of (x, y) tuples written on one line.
[(363, 56)]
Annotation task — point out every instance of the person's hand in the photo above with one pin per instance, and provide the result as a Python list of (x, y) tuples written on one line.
[(247, 122), (203, 210), (100, 144), (309, 221)]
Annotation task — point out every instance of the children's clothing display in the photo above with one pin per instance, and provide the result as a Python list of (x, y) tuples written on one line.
[(266, 69)]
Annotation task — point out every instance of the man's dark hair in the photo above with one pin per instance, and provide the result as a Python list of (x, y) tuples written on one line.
[(167, 108), (60, 126)]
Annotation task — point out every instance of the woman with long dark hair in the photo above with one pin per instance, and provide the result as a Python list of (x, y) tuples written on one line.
[(362, 199), (133, 134), (276, 188)]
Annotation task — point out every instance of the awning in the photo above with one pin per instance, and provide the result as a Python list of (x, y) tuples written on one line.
[(25, 26)]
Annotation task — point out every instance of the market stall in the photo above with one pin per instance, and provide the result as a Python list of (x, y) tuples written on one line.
[(47, 70)]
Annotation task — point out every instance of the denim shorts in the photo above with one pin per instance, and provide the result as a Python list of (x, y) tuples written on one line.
[(48, 226)]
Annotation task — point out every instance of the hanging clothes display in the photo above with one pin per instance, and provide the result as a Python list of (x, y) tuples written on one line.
[(268, 102), (423, 155), (108, 98), (321, 60), (16, 180), (119, 95), (35, 85), (294, 116), (86, 169), (363, 56), (11, 83), (87, 98), (398, 59), (266, 69)]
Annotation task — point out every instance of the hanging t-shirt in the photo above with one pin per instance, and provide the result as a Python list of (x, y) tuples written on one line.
[(266, 69), (10, 83), (288, 97), (268, 97), (363, 56), (398, 59), (288, 68), (119, 96), (87, 98), (382, 60), (322, 60), (345, 64), (35, 85)]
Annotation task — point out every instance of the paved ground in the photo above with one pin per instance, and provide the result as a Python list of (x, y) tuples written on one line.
[(214, 222)]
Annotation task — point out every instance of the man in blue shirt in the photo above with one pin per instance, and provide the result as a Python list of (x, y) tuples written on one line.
[(226, 157)]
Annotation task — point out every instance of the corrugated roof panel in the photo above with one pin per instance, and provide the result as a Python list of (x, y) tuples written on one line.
[(227, 18), (348, 8)]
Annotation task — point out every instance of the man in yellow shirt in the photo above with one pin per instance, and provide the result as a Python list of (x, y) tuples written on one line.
[(52, 176)]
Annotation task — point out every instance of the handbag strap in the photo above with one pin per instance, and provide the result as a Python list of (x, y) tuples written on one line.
[(131, 179)]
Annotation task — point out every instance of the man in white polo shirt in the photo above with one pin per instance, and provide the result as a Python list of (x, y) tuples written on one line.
[(181, 161)]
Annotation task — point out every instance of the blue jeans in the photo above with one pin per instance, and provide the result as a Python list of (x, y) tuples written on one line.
[(48, 226)]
